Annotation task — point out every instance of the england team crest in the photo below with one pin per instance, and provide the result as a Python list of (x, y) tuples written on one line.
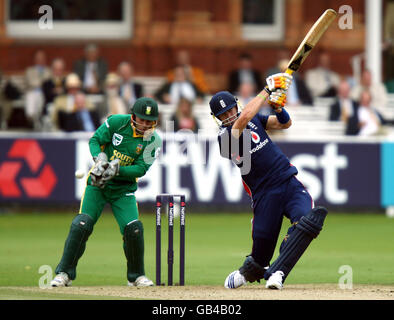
[(117, 139)]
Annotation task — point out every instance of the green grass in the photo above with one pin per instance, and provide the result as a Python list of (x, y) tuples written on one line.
[(216, 244)]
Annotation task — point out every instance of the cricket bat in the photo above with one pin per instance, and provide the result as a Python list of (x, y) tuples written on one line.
[(310, 40)]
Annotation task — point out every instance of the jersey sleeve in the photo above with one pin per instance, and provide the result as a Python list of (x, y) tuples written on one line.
[(144, 161), (101, 137)]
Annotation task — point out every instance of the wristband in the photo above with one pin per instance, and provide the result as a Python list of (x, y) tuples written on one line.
[(283, 117), (267, 90)]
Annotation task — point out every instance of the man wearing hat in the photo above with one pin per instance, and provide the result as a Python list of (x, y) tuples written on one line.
[(270, 180), (65, 103), (123, 148)]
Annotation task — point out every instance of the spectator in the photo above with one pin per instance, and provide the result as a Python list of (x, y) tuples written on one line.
[(10, 93), (369, 119), (81, 118), (172, 92), (56, 84), (377, 91), (35, 77), (129, 89), (246, 93), (91, 70), (283, 55), (321, 81), (113, 102), (345, 109), (183, 117), (193, 74), (244, 73), (66, 103), (4, 111)]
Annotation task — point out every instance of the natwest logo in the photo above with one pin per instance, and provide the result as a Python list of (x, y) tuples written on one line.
[(39, 184)]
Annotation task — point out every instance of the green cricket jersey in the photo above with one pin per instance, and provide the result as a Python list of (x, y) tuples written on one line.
[(118, 139)]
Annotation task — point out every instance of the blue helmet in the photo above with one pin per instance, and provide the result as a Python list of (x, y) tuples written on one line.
[(222, 102)]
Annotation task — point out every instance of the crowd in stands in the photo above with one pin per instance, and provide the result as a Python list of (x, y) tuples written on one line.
[(54, 99)]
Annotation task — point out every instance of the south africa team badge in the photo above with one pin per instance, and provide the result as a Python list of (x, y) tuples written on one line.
[(138, 149), (117, 139)]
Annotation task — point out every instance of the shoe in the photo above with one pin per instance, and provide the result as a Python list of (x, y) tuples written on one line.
[(141, 281), (275, 281), (234, 280), (61, 280)]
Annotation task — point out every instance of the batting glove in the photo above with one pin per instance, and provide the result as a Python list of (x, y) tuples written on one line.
[(279, 81), (277, 99)]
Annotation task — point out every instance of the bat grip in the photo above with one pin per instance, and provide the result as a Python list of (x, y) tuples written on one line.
[(289, 71)]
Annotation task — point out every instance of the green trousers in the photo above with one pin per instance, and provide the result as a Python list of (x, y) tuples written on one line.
[(125, 210), (124, 207)]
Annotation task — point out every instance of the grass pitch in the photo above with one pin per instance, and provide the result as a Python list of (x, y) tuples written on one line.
[(216, 244)]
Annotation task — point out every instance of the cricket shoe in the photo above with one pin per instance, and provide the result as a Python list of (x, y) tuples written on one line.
[(61, 280), (141, 281), (234, 280), (275, 281)]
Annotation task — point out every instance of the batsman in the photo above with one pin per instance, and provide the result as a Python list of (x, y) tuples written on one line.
[(123, 149), (270, 180)]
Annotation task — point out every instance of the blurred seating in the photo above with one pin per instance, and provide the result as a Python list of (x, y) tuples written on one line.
[(302, 115)]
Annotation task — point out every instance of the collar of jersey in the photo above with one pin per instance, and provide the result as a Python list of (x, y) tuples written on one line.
[(135, 134)]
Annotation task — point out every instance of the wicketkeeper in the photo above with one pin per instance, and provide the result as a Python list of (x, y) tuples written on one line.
[(123, 148)]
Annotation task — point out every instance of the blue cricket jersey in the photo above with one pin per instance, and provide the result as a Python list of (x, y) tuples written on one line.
[(268, 164)]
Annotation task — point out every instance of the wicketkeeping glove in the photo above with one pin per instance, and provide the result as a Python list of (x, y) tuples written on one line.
[(279, 81), (111, 171), (100, 165), (277, 99)]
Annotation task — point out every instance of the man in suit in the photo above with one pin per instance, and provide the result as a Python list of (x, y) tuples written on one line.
[(91, 70), (244, 73), (65, 103), (345, 109), (180, 87), (129, 90), (81, 119), (56, 84)]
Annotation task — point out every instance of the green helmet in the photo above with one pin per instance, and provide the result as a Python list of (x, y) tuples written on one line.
[(146, 108)]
